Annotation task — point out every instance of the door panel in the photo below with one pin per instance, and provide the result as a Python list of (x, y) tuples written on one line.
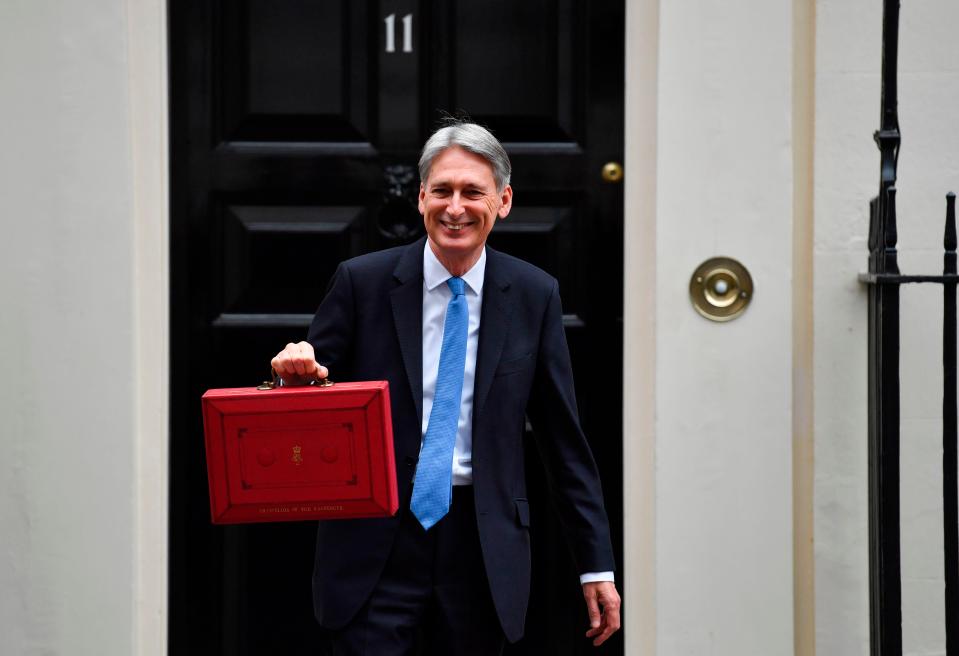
[(527, 98), (296, 128), (295, 70), (301, 246)]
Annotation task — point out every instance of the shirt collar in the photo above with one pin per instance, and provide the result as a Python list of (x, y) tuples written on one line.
[(435, 274)]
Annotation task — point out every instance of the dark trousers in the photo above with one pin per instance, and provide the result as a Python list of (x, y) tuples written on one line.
[(433, 597)]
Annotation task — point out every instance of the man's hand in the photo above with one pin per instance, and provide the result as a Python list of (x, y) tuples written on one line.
[(297, 365), (602, 625)]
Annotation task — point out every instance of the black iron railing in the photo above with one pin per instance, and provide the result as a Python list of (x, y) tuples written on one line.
[(884, 280)]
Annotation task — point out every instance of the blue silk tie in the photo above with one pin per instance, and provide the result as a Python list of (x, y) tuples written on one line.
[(433, 485)]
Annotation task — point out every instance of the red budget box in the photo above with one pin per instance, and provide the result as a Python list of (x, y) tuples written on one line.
[(298, 453)]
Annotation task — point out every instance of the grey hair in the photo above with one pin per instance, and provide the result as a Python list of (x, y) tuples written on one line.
[(472, 138)]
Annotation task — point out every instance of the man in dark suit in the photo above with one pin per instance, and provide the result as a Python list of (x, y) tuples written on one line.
[(471, 341)]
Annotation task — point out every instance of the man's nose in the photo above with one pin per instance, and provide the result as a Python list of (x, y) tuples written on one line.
[(455, 207)]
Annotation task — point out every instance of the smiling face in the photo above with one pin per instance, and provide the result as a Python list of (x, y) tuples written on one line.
[(459, 203)]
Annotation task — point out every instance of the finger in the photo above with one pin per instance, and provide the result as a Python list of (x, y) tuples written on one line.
[(285, 368), (611, 622), (600, 639), (592, 608), (312, 368), (603, 637), (607, 631), (284, 363), (299, 364), (306, 348), (281, 364), (597, 630), (614, 621)]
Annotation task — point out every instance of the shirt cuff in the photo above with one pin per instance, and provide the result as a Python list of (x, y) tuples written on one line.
[(595, 577)]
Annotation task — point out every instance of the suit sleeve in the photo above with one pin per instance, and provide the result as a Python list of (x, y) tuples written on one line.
[(573, 474), (331, 332)]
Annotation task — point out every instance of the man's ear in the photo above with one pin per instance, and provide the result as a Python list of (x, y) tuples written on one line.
[(506, 200), (420, 205)]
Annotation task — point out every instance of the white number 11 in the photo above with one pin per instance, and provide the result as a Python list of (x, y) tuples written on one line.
[(407, 33)]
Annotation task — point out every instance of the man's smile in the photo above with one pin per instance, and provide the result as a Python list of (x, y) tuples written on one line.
[(457, 226)]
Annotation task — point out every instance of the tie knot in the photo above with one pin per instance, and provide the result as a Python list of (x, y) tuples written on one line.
[(457, 286)]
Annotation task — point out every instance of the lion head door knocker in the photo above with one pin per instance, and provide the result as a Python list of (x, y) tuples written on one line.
[(399, 219)]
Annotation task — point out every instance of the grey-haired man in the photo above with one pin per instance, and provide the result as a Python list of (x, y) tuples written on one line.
[(471, 341)]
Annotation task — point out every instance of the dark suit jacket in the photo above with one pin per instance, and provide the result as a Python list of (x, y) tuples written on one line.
[(369, 327)]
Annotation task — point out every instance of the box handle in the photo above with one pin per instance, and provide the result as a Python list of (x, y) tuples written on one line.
[(273, 384)]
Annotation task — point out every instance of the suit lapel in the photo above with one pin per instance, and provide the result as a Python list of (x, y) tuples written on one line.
[(407, 299), (494, 325)]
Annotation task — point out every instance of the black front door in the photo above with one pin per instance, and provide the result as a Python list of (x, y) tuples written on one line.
[(296, 127)]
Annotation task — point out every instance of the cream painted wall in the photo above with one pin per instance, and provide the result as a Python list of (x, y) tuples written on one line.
[(82, 477), (848, 40), (715, 541), (722, 538), (846, 172), (928, 168)]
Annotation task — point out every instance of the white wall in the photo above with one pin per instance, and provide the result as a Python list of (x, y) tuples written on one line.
[(717, 544), (928, 168), (723, 538), (83, 252), (847, 173)]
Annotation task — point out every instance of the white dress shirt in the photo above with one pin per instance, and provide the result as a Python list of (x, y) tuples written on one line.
[(436, 296)]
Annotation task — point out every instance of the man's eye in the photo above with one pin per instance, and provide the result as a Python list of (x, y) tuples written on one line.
[(440, 191)]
